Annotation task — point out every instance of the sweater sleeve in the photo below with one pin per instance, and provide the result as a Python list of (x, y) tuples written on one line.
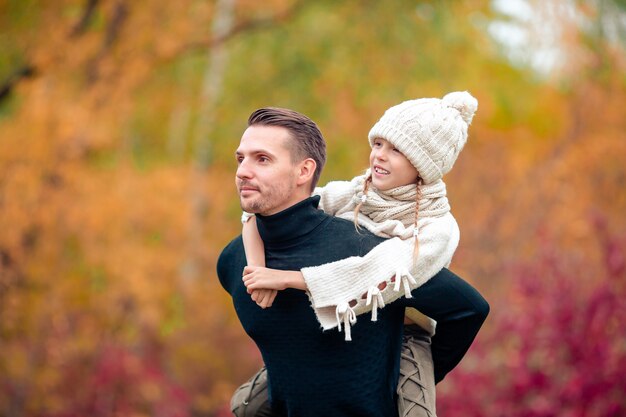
[(358, 279), (336, 196)]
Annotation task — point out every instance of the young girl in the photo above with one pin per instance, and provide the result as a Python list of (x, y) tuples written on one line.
[(401, 197)]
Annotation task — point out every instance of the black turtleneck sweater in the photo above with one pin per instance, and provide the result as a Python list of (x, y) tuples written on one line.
[(316, 373)]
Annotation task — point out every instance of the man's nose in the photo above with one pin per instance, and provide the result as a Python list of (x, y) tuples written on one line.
[(243, 170)]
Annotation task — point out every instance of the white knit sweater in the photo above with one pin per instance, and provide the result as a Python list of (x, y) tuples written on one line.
[(333, 286)]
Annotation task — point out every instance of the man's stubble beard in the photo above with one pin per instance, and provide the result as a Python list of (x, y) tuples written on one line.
[(269, 198)]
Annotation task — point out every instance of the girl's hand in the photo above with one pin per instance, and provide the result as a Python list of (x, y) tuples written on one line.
[(264, 298), (261, 278), (258, 277)]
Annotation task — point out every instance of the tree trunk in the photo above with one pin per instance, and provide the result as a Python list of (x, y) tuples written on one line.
[(201, 145)]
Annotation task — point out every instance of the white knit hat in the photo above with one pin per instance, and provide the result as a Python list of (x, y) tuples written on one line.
[(430, 132)]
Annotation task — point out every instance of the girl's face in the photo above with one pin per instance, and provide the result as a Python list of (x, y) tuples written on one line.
[(389, 166)]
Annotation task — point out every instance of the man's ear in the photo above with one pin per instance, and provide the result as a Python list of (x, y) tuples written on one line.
[(306, 169)]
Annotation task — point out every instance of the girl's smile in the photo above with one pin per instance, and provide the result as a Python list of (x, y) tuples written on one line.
[(389, 167)]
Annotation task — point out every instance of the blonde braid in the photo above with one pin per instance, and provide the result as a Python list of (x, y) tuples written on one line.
[(366, 187), (418, 196)]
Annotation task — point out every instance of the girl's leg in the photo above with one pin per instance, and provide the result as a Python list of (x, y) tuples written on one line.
[(416, 384), (251, 399), (459, 311)]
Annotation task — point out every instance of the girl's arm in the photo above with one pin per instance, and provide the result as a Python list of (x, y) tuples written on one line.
[(383, 275), (263, 283), (336, 196), (252, 243), (257, 278), (255, 255)]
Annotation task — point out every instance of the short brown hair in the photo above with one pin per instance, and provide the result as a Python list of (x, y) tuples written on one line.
[(306, 139)]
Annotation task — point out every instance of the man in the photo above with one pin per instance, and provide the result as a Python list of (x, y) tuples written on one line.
[(315, 373)]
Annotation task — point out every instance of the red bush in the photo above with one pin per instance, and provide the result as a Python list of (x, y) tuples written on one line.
[(121, 383), (556, 346)]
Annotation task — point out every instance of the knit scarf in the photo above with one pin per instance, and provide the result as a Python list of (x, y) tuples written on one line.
[(399, 203)]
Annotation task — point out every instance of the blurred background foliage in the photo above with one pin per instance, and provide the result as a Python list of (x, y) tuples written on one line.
[(118, 123)]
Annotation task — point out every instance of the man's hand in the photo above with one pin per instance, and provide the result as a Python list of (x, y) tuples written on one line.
[(264, 298)]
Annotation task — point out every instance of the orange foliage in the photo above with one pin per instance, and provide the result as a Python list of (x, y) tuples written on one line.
[(110, 231)]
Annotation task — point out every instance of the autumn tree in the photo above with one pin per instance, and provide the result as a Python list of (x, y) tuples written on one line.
[(118, 122)]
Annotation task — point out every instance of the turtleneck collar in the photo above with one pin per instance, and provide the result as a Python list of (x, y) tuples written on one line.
[(292, 223)]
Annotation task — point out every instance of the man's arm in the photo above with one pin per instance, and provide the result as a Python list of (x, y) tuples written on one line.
[(459, 310)]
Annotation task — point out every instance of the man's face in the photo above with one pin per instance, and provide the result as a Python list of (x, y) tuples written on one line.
[(266, 176)]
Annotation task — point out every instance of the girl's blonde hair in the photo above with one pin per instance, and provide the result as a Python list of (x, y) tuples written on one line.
[(418, 196)]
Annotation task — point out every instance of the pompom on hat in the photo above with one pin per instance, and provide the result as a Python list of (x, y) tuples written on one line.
[(430, 132)]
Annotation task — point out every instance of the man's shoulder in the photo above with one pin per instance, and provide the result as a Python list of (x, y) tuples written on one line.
[(346, 231), (230, 261), (233, 247)]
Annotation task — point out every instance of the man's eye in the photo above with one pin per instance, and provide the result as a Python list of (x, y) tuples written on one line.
[(263, 159)]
